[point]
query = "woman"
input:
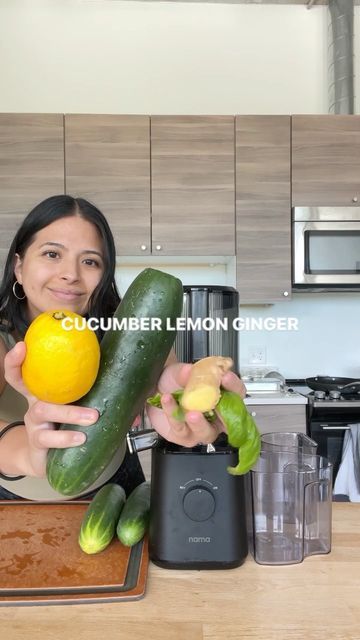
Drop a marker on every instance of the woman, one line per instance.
(63, 256)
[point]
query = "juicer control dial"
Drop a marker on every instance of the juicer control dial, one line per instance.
(199, 504)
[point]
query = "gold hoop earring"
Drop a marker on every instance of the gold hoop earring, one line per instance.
(14, 291)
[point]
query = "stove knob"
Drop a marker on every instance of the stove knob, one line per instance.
(319, 395)
(334, 395)
(199, 504)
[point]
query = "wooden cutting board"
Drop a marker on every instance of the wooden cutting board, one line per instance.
(41, 561)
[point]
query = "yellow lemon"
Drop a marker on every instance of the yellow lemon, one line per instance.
(61, 363)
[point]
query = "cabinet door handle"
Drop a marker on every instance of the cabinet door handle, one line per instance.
(286, 293)
(158, 247)
(355, 199)
(143, 247)
(253, 414)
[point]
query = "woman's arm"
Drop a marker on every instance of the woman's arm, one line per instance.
(23, 450)
(172, 359)
(3, 352)
(13, 452)
(14, 440)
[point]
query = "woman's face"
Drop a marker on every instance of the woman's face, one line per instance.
(62, 266)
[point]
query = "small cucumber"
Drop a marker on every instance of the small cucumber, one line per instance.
(99, 523)
(134, 518)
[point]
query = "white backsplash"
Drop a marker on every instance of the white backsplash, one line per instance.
(215, 270)
(327, 341)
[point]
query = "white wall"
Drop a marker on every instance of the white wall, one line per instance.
(109, 56)
(162, 57)
(192, 270)
(327, 338)
(327, 341)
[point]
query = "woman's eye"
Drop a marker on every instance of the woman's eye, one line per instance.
(91, 262)
(51, 254)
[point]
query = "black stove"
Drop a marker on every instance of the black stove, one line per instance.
(329, 415)
(333, 400)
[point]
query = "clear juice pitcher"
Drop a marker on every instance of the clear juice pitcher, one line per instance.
(290, 511)
(288, 441)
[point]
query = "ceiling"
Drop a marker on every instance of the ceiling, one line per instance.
(307, 3)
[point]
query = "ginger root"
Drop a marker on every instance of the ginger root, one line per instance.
(202, 392)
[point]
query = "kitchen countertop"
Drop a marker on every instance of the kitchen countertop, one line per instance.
(273, 397)
(316, 599)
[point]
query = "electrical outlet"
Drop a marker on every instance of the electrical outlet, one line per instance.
(257, 355)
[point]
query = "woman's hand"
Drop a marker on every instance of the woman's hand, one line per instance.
(196, 428)
(40, 418)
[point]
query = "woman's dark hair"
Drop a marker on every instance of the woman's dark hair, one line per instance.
(104, 299)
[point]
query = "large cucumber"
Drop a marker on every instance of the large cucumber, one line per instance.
(99, 523)
(134, 517)
(130, 366)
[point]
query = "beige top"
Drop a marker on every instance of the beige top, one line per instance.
(13, 406)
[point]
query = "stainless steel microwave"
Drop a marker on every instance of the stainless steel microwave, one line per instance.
(326, 248)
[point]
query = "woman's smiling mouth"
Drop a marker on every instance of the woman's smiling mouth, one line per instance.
(62, 294)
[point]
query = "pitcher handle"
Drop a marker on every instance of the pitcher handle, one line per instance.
(317, 517)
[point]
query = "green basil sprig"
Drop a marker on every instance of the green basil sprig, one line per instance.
(241, 429)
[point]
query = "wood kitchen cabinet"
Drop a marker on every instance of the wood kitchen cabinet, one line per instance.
(263, 213)
(192, 185)
(31, 167)
(179, 201)
(107, 161)
(279, 417)
(325, 160)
